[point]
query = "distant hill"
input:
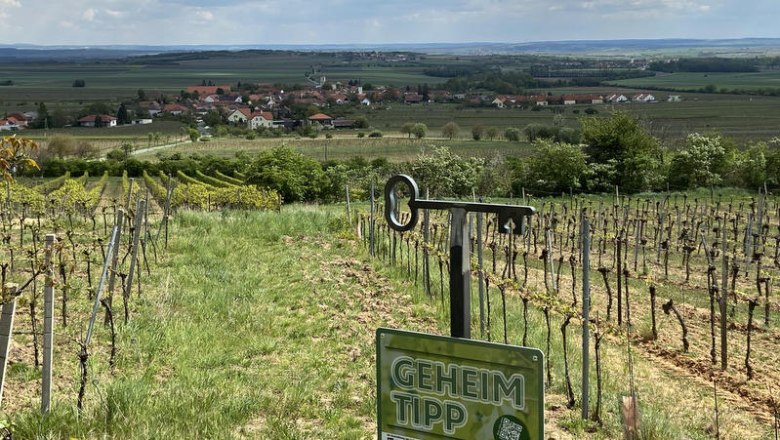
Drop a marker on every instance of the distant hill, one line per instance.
(688, 47)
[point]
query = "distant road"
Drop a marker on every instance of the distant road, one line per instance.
(158, 147)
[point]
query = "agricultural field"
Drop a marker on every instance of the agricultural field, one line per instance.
(687, 81)
(395, 148)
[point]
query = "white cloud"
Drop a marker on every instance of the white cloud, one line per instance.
(205, 15)
(113, 13)
(89, 14)
(10, 3)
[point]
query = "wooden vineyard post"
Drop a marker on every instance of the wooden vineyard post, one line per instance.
(371, 223)
(6, 331)
(724, 294)
(129, 194)
(349, 208)
(48, 323)
(139, 214)
(118, 224)
(480, 276)
(585, 233)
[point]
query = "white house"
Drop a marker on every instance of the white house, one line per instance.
(240, 116)
(643, 97)
(105, 121)
(498, 102)
(365, 102)
(674, 98)
(616, 98)
(261, 119)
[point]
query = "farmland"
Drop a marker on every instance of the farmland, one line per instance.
(687, 81)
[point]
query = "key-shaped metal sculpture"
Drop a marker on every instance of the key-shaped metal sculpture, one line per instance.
(510, 218)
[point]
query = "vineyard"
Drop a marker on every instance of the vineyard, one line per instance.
(76, 254)
(682, 282)
(667, 274)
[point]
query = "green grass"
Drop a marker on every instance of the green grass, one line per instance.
(346, 145)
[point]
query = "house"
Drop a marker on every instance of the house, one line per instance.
(174, 109)
(91, 121)
(343, 123)
(7, 125)
(21, 119)
(643, 97)
(339, 98)
(498, 102)
(240, 115)
(261, 119)
(569, 100)
(365, 102)
(153, 107)
(321, 119)
(589, 99)
(616, 98)
(538, 100)
(203, 91)
(412, 98)
(674, 98)
(143, 121)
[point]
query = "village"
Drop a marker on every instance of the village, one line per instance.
(265, 106)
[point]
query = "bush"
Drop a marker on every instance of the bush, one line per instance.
(375, 134)
(553, 167)
(295, 176)
(512, 134)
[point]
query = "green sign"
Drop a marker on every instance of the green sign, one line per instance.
(435, 387)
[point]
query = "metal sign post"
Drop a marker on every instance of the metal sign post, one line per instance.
(460, 264)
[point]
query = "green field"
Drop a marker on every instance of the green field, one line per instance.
(749, 81)
(395, 149)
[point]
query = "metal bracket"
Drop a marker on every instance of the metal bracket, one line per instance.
(515, 213)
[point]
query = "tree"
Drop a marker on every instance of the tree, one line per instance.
(141, 95)
(122, 116)
(44, 120)
(446, 174)
(15, 155)
(621, 142)
(512, 134)
(361, 122)
(491, 132)
(79, 83)
(408, 129)
(193, 134)
(98, 121)
(450, 130)
(701, 163)
(60, 146)
(85, 150)
(295, 176)
(477, 132)
(553, 167)
(419, 130)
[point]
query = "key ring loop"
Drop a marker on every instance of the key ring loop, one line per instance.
(391, 202)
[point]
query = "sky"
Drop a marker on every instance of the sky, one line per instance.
(174, 22)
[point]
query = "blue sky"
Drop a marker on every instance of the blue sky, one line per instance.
(90, 22)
